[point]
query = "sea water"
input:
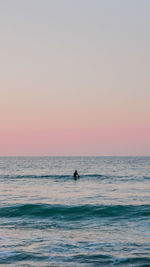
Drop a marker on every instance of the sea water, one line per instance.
(49, 219)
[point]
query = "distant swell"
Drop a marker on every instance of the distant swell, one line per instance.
(67, 177)
(75, 212)
(50, 176)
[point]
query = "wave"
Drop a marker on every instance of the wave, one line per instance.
(96, 259)
(69, 177)
(146, 177)
(66, 212)
(51, 176)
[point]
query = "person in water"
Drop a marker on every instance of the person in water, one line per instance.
(76, 175)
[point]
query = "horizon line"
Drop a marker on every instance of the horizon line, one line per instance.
(19, 156)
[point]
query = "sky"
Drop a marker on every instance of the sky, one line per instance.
(74, 78)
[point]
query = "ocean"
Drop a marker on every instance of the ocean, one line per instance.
(49, 219)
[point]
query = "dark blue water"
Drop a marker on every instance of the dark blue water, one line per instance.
(49, 219)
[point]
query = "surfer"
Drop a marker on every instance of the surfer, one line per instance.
(76, 175)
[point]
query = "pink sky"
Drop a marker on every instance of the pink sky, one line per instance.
(74, 78)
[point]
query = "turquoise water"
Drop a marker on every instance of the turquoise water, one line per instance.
(49, 219)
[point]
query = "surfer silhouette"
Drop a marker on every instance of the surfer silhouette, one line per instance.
(76, 175)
